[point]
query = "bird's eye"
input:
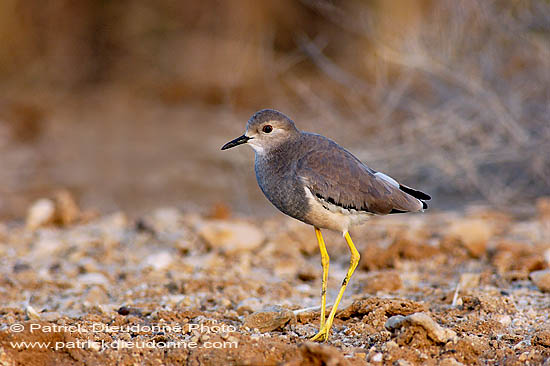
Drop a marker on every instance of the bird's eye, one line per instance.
(267, 128)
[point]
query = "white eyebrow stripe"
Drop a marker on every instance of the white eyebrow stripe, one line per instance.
(387, 178)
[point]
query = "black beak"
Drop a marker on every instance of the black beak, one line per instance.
(239, 140)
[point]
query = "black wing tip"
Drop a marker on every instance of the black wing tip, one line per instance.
(396, 211)
(415, 193)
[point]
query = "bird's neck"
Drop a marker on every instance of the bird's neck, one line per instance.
(276, 159)
(281, 150)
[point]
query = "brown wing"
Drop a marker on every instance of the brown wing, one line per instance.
(335, 175)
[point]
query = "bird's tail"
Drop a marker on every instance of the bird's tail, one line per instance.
(416, 194)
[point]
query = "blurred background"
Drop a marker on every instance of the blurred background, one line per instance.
(127, 103)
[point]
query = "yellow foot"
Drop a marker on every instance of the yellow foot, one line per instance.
(322, 336)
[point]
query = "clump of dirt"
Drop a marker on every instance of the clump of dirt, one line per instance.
(176, 288)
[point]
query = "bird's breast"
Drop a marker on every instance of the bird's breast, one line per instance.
(281, 187)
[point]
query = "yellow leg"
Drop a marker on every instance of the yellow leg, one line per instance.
(325, 260)
(325, 330)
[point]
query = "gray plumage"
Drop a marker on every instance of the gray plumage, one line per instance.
(313, 179)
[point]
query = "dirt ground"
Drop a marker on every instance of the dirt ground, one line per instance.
(170, 288)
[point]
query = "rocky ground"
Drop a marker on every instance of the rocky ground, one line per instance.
(169, 288)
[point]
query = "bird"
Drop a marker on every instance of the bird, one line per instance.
(311, 178)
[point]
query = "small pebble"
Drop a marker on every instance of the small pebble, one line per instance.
(433, 330)
(394, 322)
(377, 357)
(89, 279)
(450, 362)
(250, 304)
(96, 295)
(231, 236)
(402, 363)
(50, 316)
(541, 279)
(505, 320)
(95, 346)
(469, 280)
(269, 319)
(67, 209)
(166, 219)
(20, 267)
(46, 246)
(159, 261)
(473, 234)
(41, 213)
(126, 310)
(31, 313)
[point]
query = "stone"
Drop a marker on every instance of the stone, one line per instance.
(46, 246)
(387, 307)
(394, 322)
(546, 254)
(505, 319)
(469, 280)
(67, 211)
(113, 228)
(286, 269)
(159, 261)
(31, 314)
(50, 316)
(402, 362)
(473, 234)
(88, 265)
(165, 219)
(94, 346)
(89, 279)
(40, 214)
(250, 305)
(377, 357)
(117, 220)
(231, 236)
(220, 211)
(542, 338)
(514, 260)
(433, 330)
(450, 362)
(269, 319)
(541, 279)
(96, 295)
(310, 353)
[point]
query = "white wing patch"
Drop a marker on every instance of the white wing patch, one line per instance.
(387, 178)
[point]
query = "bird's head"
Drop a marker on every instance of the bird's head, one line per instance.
(265, 130)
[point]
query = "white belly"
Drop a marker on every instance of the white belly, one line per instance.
(326, 215)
